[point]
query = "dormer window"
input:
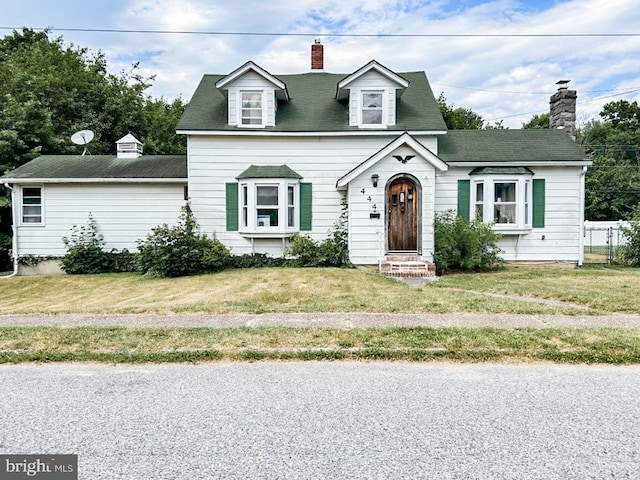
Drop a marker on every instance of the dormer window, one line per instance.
(251, 108)
(252, 96)
(372, 108)
(372, 93)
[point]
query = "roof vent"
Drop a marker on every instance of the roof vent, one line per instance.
(129, 147)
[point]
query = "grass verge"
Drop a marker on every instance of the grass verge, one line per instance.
(160, 345)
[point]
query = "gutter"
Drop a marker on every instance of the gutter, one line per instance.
(14, 246)
(582, 232)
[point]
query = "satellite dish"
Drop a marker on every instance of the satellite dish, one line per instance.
(83, 137)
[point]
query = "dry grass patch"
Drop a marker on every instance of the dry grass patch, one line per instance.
(608, 289)
(273, 290)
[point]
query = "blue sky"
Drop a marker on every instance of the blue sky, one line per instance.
(507, 78)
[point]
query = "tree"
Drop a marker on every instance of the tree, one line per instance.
(49, 90)
(459, 118)
(161, 118)
(538, 121)
(613, 181)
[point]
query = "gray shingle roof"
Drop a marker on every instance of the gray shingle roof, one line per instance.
(313, 106)
(101, 166)
(508, 146)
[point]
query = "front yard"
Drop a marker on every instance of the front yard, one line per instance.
(603, 290)
(606, 290)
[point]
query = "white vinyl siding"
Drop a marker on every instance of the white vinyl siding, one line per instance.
(215, 161)
(558, 240)
(124, 213)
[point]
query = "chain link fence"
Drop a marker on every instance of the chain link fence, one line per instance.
(601, 240)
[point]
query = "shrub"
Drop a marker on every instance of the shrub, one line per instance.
(122, 261)
(306, 252)
(85, 252)
(463, 245)
(5, 251)
(256, 260)
(629, 252)
(331, 252)
(181, 250)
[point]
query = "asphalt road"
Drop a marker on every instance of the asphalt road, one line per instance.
(327, 420)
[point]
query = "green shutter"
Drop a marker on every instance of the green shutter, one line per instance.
(538, 203)
(464, 199)
(305, 207)
(232, 206)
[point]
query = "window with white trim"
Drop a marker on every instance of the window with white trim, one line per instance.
(269, 206)
(32, 206)
(505, 201)
(251, 108)
(479, 201)
(372, 107)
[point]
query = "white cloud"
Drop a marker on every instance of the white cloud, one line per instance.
(505, 64)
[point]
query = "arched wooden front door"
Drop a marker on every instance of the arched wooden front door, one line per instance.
(402, 215)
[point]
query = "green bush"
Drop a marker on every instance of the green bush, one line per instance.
(306, 252)
(180, 250)
(122, 261)
(463, 245)
(629, 252)
(5, 251)
(256, 260)
(331, 252)
(85, 252)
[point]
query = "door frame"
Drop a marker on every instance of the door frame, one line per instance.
(418, 188)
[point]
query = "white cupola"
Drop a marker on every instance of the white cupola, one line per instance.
(129, 147)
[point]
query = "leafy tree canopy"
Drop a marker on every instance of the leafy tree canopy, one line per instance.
(613, 181)
(459, 118)
(48, 90)
(538, 121)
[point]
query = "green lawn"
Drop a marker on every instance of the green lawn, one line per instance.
(140, 345)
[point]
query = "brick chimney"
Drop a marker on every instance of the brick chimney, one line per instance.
(317, 56)
(562, 104)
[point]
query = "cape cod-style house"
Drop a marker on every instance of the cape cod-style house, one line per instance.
(269, 156)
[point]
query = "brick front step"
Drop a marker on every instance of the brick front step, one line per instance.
(409, 266)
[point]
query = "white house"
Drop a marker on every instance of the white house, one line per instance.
(269, 156)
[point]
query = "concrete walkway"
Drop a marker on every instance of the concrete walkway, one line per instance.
(333, 320)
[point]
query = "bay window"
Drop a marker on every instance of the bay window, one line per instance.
(269, 205)
(268, 201)
(502, 196)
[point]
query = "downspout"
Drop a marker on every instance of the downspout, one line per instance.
(14, 244)
(581, 242)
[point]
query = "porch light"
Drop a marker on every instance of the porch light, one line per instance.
(374, 180)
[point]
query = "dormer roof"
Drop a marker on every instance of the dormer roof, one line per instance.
(342, 91)
(281, 87)
(313, 106)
